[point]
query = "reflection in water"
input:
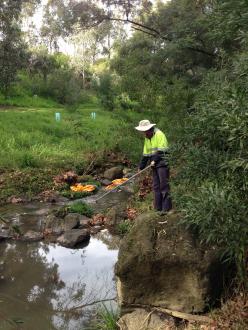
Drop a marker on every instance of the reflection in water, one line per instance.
(38, 281)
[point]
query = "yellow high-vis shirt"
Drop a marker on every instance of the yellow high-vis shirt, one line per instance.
(158, 142)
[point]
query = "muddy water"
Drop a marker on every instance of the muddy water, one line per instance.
(40, 283)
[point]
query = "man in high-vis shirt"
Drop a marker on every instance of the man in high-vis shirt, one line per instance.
(154, 152)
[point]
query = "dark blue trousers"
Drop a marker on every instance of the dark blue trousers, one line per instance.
(161, 188)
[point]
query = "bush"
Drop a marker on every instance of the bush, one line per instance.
(214, 165)
(106, 91)
(106, 319)
(81, 208)
(124, 227)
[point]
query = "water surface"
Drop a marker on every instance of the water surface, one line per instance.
(41, 282)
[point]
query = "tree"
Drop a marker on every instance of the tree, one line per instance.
(12, 48)
(42, 62)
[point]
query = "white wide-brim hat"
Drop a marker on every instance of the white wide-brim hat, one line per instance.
(144, 125)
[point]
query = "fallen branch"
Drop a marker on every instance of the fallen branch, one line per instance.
(180, 315)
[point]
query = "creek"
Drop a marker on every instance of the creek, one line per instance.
(41, 283)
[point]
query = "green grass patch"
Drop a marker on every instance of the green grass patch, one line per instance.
(28, 101)
(81, 208)
(32, 141)
(124, 227)
(33, 138)
(106, 319)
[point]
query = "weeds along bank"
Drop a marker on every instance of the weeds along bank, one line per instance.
(35, 147)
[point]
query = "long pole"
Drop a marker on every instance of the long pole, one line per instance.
(122, 184)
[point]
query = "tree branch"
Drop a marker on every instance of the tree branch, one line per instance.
(146, 32)
(83, 306)
(156, 34)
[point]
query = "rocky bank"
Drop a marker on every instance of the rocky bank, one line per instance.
(162, 264)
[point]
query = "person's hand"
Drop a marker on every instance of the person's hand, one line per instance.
(153, 163)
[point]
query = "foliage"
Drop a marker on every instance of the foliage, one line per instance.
(12, 48)
(106, 319)
(216, 163)
(27, 182)
(106, 91)
(124, 227)
(81, 208)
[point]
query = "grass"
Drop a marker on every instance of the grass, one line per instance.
(124, 227)
(81, 208)
(34, 143)
(27, 101)
(106, 319)
(32, 137)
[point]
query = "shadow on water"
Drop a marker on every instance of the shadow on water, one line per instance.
(40, 283)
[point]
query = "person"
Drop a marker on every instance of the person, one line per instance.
(154, 152)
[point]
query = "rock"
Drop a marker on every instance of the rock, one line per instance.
(129, 188)
(113, 173)
(56, 225)
(51, 196)
(141, 319)
(165, 265)
(53, 225)
(106, 182)
(84, 222)
(95, 230)
(14, 200)
(5, 234)
(116, 214)
(72, 237)
(32, 236)
(71, 221)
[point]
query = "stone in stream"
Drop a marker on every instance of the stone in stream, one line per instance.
(71, 221)
(162, 264)
(84, 222)
(73, 237)
(113, 173)
(105, 182)
(57, 225)
(32, 236)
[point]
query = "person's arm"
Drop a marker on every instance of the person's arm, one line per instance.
(145, 158)
(143, 162)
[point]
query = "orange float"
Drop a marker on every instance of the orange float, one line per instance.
(116, 183)
(82, 188)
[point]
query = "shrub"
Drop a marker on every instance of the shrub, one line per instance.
(214, 165)
(106, 319)
(124, 227)
(81, 208)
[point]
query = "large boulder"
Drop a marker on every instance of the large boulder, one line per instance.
(73, 237)
(141, 319)
(162, 264)
(113, 173)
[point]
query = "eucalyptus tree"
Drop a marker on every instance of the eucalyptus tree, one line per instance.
(12, 47)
